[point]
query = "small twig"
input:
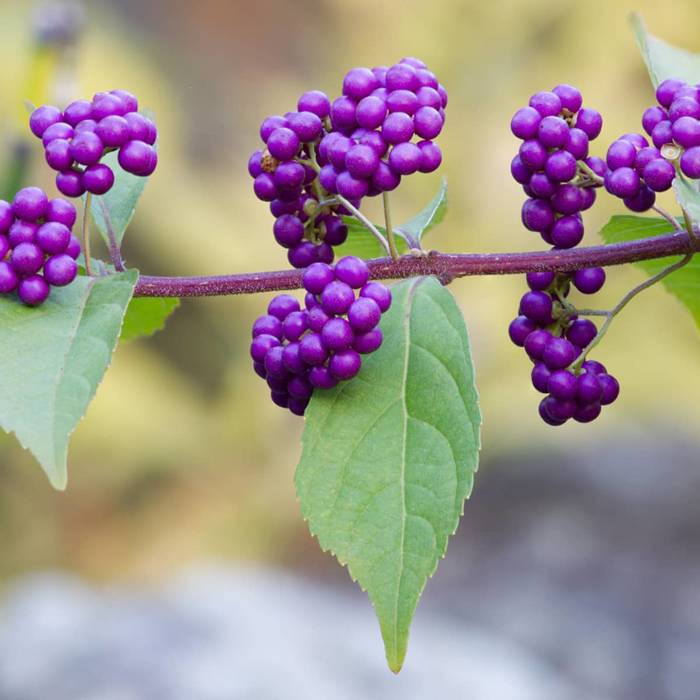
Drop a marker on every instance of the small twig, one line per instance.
(575, 366)
(362, 218)
(591, 174)
(453, 265)
(86, 234)
(671, 219)
(689, 224)
(114, 252)
(389, 230)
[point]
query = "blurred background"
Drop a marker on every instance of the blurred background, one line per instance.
(177, 565)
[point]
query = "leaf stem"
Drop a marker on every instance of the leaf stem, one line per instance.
(671, 219)
(387, 223)
(591, 174)
(114, 251)
(362, 218)
(575, 366)
(86, 234)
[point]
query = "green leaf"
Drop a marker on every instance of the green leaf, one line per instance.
(147, 315)
(363, 244)
(663, 60)
(688, 196)
(389, 457)
(431, 215)
(684, 283)
(53, 358)
(408, 235)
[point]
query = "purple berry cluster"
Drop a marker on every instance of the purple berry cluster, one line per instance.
(556, 130)
(360, 145)
(297, 351)
(76, 139)
(638, 169)
(559, 177)
(573, 391)
(37, 248)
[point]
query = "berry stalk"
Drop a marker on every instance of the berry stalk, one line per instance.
(443, 265)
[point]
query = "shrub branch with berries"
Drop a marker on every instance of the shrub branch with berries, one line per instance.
(382, 375)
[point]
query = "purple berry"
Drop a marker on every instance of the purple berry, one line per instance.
(581, 332)
(553, 132)
(401, 77)
(267, 324)
(589, 121)
(610, 388)
(659, 174)
(385, 179)
(562, 385)
(666, 91)
(560, 166)
(283, 305)
(33, 290)
(537, 215)
(359, 83)
(568, 199)
(60, 130)
(312, 350)
(427, 123)
(587, 413)
(343, 113)
(138, 157)
(379, 293)
(337, 334)
(22, 232)
(306, 125)
(540, 377)
(345, 365)
(42, 118)
(539, 281)
(567, 231)
(364, 314)
(690, 162)
(662, 133)
(537, 306)
(317, 277)
(27, 258)
(404, 101)
(366, 343)
(577, 143)
(525, 122)
(98, 178)
(589, 280)
(533, 154)
(621, 154)
(546, 415)
(520, 328)
(107, 106)
(559, 353)
(30, 204)
(642, 201)
(9, 279)
(58, 155)
(405, 158)
(73, 248)
(361, 161)
(397, 128)
(87, 148)
(321, 378)
(60, 270)
(353, 271)
(370, 112)
(263, 186)
(588, 388)
(351, 187)
(536, 342)
(113, 131)
(623, 182)
(53, 238)
(570, 97)
(295, 324)
(289, 176)
(140, 128)
(337, 297)
(520, 172)
(260, 346)
(302, 255)
(593, 367)
(546, 103)
(291, 358)
(316, 102)
(288, 230)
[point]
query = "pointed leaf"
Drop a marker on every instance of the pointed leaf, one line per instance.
(389, 457)
(664, 60)
(53, 358)
(433, 213)
(146, 316)
(684, 283)
(408, 235)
